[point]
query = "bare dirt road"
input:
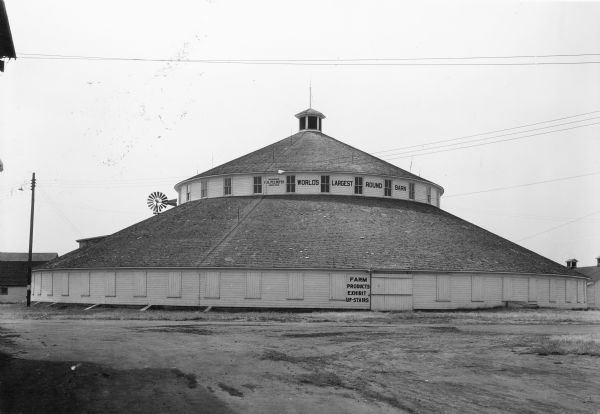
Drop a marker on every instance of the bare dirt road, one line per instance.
(304, 363)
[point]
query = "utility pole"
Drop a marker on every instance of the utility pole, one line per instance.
(30, 241)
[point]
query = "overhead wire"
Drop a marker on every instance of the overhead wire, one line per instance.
(335, 62)
(493, 142)
(492, 137)
(522, 185)
(559, 226)
(487, 133)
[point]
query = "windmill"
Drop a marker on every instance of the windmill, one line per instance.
(158, 201)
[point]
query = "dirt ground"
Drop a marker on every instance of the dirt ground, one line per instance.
(67, 360)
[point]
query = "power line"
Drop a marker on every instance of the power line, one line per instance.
(315, 62)
(369, 59)
(495, 142)
(559, 226)
(486, 133)
(492, 137)
(522, 185)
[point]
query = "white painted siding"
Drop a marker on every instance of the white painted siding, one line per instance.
(47, 283)
(242, 185)
(174, 287)
(315, 289)
(213, 285)
(337, 286)
(253, 283)
(392, 285)
(295, 286)
(420, 193)
(314, 186)
(140, 284)
(515, 289)
(110, 284)
(400, 189)
(85, 284)
(553, 290)
(533, 292)
(373, 186)
(580, 291)
(341, 189)
(477, 289)
(593, 295)
(392, 292)
(443, 288)
(64, 284)
(571, 291)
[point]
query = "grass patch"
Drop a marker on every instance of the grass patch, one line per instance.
(569, 345)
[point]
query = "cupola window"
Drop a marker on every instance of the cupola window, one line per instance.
(310, 120)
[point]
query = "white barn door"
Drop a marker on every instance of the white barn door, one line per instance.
(391, 292)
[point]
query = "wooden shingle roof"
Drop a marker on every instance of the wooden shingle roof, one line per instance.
(308, 232)
(309, 151)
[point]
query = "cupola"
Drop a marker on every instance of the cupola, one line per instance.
(310, 120)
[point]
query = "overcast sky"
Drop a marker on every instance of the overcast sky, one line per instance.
(102, 134)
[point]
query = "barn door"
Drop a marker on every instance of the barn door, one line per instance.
(390, 292)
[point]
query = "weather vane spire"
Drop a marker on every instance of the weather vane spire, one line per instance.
(310, 94)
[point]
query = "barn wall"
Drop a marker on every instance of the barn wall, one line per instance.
(15, 294)
(204, 288)
(309, 289)
(273, 184)
(593, 295)
(464, 291)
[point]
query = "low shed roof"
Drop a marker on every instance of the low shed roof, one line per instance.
(13, 267)
(303, 231)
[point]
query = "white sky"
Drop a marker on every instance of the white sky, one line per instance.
(101, 135)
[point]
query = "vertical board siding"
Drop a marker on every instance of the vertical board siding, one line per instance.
(477, 289)
(314, 289)
(392, 292)
(253, 285)
(140, 284)
(443, 288)
(85, 284)
(553, 290)
(110, 284)
(580, 291)
(48, 286)
(532, 296)
(571, 291)
(64, 284)
(295, 286)
(212, 285)
(174, 286)
(337, 286)
(515, 289)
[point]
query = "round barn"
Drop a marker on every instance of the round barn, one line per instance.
(307, 222)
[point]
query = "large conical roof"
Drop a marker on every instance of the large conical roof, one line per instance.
(309, 151)
(309, 232)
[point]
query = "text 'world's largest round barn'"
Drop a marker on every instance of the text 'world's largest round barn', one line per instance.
(307, 222)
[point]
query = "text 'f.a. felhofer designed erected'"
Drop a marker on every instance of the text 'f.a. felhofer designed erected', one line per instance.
(307, 222)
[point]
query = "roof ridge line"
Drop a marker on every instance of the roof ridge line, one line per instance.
(230, 232)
